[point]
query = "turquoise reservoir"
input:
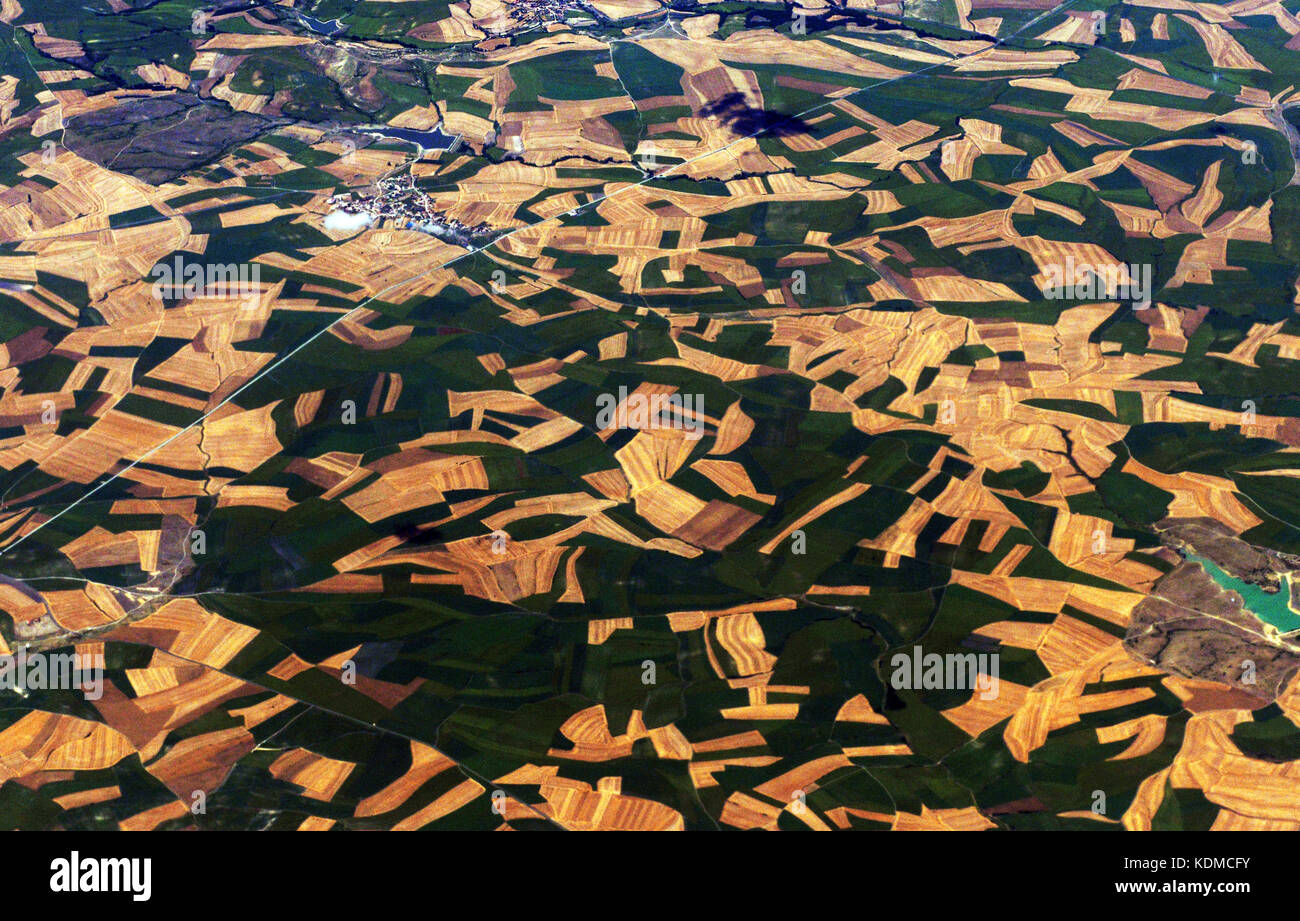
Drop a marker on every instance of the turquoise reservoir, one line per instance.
(1272, 608)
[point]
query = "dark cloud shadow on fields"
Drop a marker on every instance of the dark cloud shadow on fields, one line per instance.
(734, 110)
(415, 536)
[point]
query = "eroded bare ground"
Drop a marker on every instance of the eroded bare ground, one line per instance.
(1213, 540)
(156, 139)
(1191, 626)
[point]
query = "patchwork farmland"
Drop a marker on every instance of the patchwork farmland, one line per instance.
(370, 527)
